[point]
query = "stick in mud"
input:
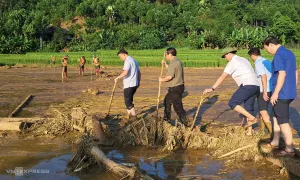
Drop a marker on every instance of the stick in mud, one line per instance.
(198, 108)
(237, 150)
(159, 85)
(111, 98)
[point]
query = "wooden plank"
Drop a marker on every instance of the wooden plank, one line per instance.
(14, 126)
(20, 106)
(32, 120)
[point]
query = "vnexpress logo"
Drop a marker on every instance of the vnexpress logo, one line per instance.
(19, 171)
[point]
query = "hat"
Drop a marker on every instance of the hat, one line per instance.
(65, 56)
(228, 50)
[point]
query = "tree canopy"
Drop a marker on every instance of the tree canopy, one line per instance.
(88, 25)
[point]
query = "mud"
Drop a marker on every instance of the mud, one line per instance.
(48, 91)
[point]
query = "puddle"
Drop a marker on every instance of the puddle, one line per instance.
(164, 165)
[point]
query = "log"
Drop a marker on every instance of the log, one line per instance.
(14, 126)
(98, 129)
(120, 170)
(20, 106)
(29, 120)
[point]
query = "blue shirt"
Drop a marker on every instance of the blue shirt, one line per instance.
(264, 67)
(285, 60)
(132, 78)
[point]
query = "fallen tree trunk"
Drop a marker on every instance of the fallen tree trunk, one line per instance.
(120, 170)
(14, 126)
(20, 106)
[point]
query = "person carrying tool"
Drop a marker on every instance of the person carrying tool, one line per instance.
(131, 81)
(263, 70)
(175, 81)
(242, 72)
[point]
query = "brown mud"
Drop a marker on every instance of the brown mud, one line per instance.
(49, 92)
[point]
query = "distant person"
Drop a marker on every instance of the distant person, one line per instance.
(82, 62)
(53, 60)
(96, 62)
(131, 80)
(285, 78)
(242, 72)
(263, 70)
(175, 82)
(64, 73)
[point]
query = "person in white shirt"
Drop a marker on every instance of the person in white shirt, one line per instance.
(263, 70)
(131, 80)
(242, 72)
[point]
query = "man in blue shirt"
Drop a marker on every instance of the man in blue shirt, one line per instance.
(263, 70)
(131, 80)
(285, 77)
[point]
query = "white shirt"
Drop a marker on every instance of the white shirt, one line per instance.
(132, 78)
(241, 71)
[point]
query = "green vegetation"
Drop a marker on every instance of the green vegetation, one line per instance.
(190, 58)
(90, 25)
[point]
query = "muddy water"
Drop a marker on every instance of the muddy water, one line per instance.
(163, 165)
(42, 158)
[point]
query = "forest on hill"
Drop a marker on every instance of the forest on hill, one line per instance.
(88, 25)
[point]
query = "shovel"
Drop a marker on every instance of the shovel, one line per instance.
(159, 85)
(111, 98)
(198, 108)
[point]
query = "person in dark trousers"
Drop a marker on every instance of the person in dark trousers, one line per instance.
(263, 70)
(82, 62)
(64, 63)
(131, 80)
(175, 81)
(242, 72)
(285, 78)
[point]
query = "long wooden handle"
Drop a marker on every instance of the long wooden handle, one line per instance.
(111, 97)
(198, 108)
(159, 85)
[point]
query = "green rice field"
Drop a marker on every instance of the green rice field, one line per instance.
(190, 58)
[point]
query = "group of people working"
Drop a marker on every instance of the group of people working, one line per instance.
(82, 62)
(270, 82)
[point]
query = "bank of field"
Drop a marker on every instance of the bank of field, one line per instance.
(190, 58)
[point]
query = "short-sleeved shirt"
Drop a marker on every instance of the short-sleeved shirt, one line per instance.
(264, 67)
(175, 70)
(132, 78)
(285, 60)
(241, 71)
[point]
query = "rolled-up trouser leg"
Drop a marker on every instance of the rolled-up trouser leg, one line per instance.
(244, 94)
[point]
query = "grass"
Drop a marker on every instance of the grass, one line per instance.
(190, 58)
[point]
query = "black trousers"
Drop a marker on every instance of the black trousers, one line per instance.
(128, 96)
(174, 97)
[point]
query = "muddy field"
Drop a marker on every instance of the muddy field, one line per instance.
(49, 92)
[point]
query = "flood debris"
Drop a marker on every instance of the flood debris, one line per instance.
(96, 132)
